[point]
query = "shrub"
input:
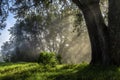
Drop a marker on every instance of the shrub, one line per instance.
(59, 58)
(47, 58)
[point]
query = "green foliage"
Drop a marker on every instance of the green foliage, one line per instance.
(47, 58)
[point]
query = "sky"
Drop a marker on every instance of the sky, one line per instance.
(5, 33)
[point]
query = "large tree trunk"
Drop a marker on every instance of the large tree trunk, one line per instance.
(114, 28)
(97, 30)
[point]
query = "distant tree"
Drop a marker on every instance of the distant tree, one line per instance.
(37, 35)
(5, 50)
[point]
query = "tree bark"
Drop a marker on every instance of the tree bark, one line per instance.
(97, 30)
(114, 30)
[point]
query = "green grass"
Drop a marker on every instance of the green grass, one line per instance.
(34, 71)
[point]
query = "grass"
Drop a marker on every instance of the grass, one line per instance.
(34, 71)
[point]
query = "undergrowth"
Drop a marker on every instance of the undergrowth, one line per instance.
(34, 71)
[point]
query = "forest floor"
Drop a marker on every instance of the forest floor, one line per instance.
(34, 71)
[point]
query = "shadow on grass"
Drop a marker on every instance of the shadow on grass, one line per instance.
(5, 64)
(2, 64)
(90, 73)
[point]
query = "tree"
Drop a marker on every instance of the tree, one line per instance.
(97, 30)
(36, 33)
(104, 39)
(95, 23)
(114, 30)
(6, 51)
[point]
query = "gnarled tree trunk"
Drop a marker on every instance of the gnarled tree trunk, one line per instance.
(114, 29)
(97, 30)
